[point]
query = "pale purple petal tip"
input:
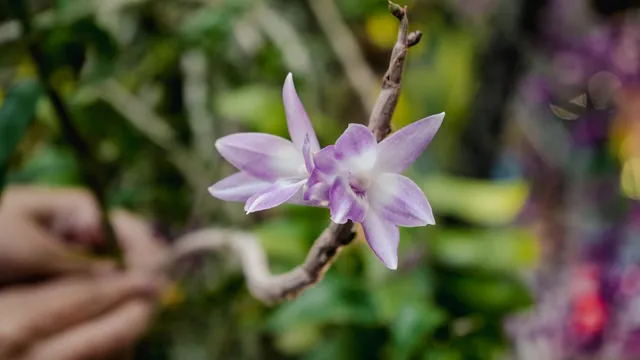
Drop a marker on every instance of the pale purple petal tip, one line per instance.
(399, 200)
(383, 237)
(397, 152)
(276, 194)
(237, 187)
(263, 156)
(356, 147)
(297, 118)
(344, 203)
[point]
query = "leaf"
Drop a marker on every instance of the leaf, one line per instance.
(49, 166)
(481, 202)
(257, 107)
(283, 240)
(393, 295)
(504, 249)
(214, 21)
(16, 114)
(298, 339)
(335, 300)
(415, 321)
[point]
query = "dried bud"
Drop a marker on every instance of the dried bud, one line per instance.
(396, 10)
(414, 38)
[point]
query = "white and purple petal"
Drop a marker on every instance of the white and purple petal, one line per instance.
(325, 160)
(344, 204)
(400, 201)
(318, 193)
(264, 156)
(356, 148)
(397, 152)
(237, 187)
(297, 118)
(383, 237)
(278, 193)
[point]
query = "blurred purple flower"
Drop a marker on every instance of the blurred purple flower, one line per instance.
(272, 169)
(361, 181)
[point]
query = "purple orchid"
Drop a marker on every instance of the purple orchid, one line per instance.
(362, 182)
(273, 170)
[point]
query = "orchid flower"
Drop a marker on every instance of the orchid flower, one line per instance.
(273, 170)
(362, 181)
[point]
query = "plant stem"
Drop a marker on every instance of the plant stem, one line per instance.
(90, 169)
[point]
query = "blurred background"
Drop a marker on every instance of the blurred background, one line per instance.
(534, 176)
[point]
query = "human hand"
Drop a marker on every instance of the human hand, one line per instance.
(86, 309)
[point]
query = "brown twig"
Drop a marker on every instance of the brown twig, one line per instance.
(273, 288)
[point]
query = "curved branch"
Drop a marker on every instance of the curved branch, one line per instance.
(271, 288)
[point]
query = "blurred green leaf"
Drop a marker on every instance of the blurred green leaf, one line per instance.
(350, 343)
(299, 339)
(415, 321)
(257, 107)
(442, 354)
(49, 166)
(357, 9)
(62, 5)
(503, 249)
(66, 48)
(16, 114)
(283, 239)
(480, 202)
(334, 348)
(214, 21)
(391, 296)
(487, 292)
(335, 300)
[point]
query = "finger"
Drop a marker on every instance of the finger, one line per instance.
(104, 337)
(28, 251)
(36, 312)
(142, 248)
(70, 212)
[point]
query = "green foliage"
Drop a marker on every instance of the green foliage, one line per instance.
(16, 114)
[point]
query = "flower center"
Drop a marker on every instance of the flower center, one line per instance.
(359, 183)
(302, 171)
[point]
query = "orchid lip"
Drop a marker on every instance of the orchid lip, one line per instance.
(359, 184)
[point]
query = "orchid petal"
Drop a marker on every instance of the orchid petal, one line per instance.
(400, 201)
(306, 154)
(264, 156)
(297, 119)
(299, 198)
(325, 160)
(237, 187)
(397, 152)
(325, 167)
(383, 238)
(356, 148)
(344, 203)
(276, 194)
(320, 192)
